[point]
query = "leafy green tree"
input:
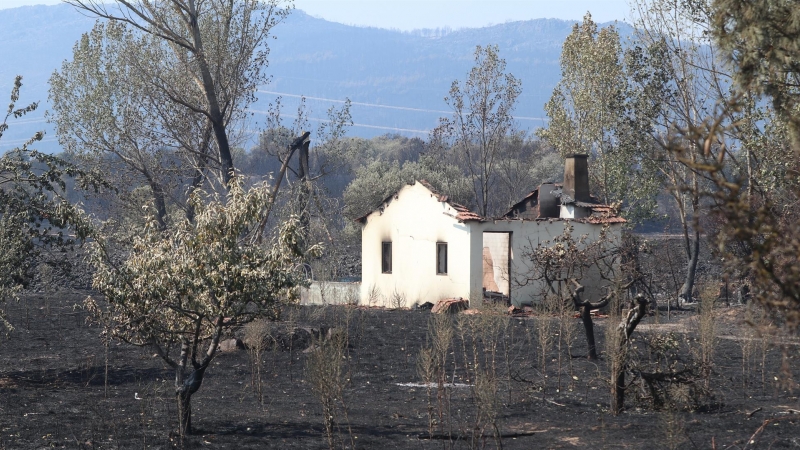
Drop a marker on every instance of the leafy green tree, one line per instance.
(178, 291)
(605, 106)
(482, 122)
(103, 118)
(761, 40)
(34, 211)
(376, 181)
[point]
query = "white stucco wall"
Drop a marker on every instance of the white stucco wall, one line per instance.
(414, 221)
(330, 293)
(528, 234)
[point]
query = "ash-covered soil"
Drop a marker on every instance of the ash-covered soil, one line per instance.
(61, 387)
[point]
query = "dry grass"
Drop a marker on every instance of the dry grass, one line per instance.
(707, 332)
(257, 336)
(326, 376)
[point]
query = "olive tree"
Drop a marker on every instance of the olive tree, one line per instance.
(178, 291)
(160, 79)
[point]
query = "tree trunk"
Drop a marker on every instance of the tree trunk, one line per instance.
(588, 327)
(184, 413)
(691, 268)
(620, 359)
(297, 143)
(185, 388)
(184, 396)
(304, 196)
(585, 308)
(159, 203)
(215, 114)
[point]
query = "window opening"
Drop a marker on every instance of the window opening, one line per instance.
(386, 257)
(441, 258)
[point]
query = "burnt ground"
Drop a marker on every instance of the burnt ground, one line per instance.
(55, 391)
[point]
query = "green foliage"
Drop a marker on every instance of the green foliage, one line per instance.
(761, 38)
(101, 107)
(185, 281)
(376, 181)
(482, 122)
(34, 211)
(155, 98)
(605, 106)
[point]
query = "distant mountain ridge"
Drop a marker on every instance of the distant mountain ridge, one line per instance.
(397, 80)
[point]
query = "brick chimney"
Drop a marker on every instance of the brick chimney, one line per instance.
(576, 177)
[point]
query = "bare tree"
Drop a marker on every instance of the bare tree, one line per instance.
(562, 264)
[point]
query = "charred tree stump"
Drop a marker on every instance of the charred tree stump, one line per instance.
(619, 361)
(585, 308)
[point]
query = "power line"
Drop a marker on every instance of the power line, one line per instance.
(16, 142)
(25, 121)
(378, 105)
(363, 125)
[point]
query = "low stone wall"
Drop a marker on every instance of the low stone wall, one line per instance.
(330, 293)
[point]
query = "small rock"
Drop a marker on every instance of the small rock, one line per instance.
(427, 306)
(230, 345)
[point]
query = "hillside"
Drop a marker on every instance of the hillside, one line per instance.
(397, 80)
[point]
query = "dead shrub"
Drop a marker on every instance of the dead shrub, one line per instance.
(707, 332)
(487, 408)
(257, 338)
(440, 335)
(397, 300)
(326, 376)
(426, 369)
(671, 378)
(373, 296)
(674, 429)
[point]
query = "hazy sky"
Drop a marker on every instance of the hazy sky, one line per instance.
(411, 14)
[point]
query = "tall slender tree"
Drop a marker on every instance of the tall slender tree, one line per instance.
(482, 121)
(604, 106)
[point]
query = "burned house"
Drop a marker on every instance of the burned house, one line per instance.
(418, 246)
